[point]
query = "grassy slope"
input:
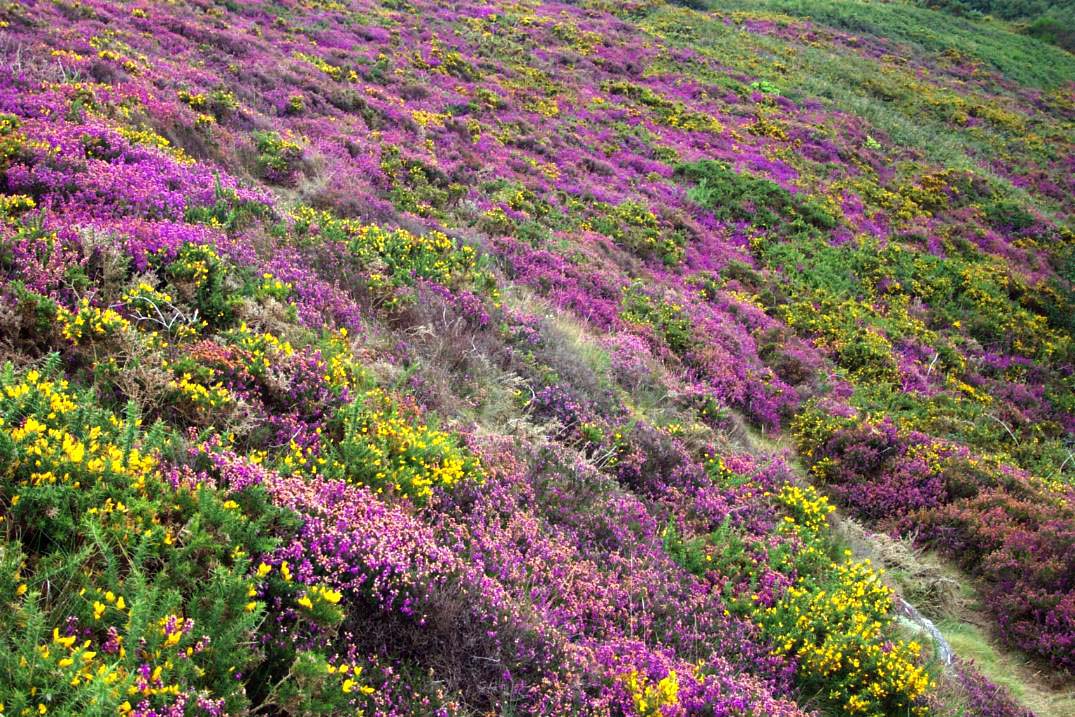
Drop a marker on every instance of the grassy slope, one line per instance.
(462, 372)
(1008, 669)
(849, 81)
(1023, 59)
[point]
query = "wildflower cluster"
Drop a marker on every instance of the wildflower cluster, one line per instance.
(385, 446)
(118, 641)
(396, 259)
(89, 323)
(837, 624)
(652, 700)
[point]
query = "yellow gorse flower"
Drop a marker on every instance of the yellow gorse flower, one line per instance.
(837, 633)
(650, 699)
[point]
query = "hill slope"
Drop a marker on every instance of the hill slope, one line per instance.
(436, 358)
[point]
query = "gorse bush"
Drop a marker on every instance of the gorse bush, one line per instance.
(835, 618)
(668, 320)
(278, 158)
(386, 447)
(637, 229)
(143, 624)
(835, 626)
(396, 260)
(201, 277)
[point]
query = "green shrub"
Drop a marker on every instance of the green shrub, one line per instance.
(668, 320)
(277, 158)
(390, 449)
(634, 227)
(153, 573)
(735, 196)
(203, 279)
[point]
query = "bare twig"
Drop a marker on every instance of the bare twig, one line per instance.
(931, 363)
(990, 415)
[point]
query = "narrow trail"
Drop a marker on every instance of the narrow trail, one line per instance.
(863, 544)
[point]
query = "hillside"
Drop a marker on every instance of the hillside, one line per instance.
(535, 358)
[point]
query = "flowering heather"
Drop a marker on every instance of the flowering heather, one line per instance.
(417, 358)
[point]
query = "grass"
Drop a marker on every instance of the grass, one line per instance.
(1023, 59)
(1008, 670)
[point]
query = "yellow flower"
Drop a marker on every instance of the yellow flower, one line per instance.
(64, 641)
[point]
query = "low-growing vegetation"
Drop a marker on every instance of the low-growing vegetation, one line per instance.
(412, 358)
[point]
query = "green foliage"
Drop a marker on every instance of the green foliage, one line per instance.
(670, 112)
(396, 259)
(634, 227)
(1055, 27)
(203, 278)
(1008, 214)
(668, 320)
(385, 446)
(277, 158)
(1024, 59)
(40, 311)
(734, 196)
(1048, 20)
(416, 186)
(229, 211)
(723, 551)
(316, 686)
(153, 573)
(765, 87)
(222, 102)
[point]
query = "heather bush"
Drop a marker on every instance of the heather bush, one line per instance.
(981, 697)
